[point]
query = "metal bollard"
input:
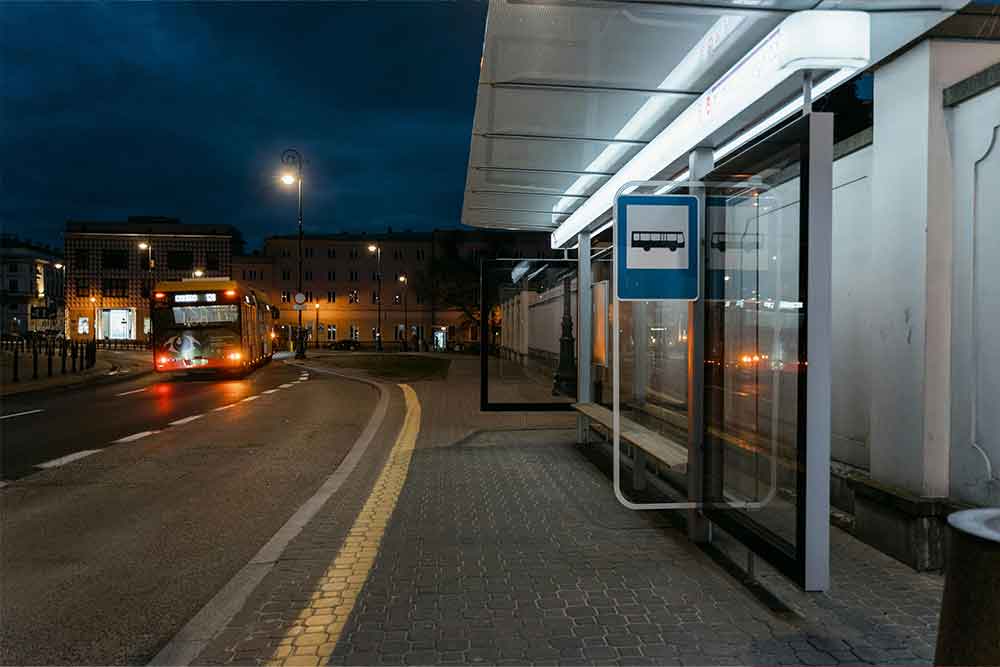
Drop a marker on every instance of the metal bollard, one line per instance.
(17, 366)
(73, 352)
(34, 360)
(62, 352)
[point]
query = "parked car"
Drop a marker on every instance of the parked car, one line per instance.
(346, 344)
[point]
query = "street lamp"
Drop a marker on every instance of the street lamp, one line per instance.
(406, 324)
(377, 249)
(198, 273)
(292, 158)
(317, 326)
(143, 245)
(93, 327)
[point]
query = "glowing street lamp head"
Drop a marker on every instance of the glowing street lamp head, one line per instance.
(198, 273)
(372, 248)
(93, 299)
(58, 265)
(402, 279)
(288, 179)
(143, 246)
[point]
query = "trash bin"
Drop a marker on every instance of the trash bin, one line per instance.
(969, 628)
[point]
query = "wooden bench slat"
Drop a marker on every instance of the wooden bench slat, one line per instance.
(659, 446)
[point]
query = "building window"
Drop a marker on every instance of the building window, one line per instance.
(309, 296)
(285, 252)
(13, 268)
(286, 274)
(374, 275)
(374, 297)
(82, 262)
(286, 296)
(212, 261)
(331, 296)
(420, 298)
(307, 252)
(353, 276)
(331, 332)
(180, 260)
(331, 253)
(397, 253)
(331, 276)
(353, 254)
(114, 259)
(82, 287)
(352, 296)
(244, 274)
(12, 284)
(355, 332)
(420, 253)
(115, 287)
(397, 299)
(309, 275)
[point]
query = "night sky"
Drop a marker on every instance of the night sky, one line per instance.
(183, 110)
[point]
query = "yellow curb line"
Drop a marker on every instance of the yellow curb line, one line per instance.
(319, 627)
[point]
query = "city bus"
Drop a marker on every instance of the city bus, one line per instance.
(210, 324)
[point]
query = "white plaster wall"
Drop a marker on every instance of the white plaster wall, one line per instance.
(545, 319)
(974, 133)
(853, 308)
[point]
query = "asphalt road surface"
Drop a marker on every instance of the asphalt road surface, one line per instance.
(126, 507)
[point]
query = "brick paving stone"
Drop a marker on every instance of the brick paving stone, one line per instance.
(508, 548)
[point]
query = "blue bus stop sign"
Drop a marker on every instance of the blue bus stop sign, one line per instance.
(657, 247)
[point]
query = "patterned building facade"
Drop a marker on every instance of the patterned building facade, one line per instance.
(341, 286)
(111, 268)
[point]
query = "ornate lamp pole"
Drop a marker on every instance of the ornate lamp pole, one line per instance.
(377, 249)
(293, 158)
(565, 378)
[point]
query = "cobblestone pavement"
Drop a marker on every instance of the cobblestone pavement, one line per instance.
(507, 547)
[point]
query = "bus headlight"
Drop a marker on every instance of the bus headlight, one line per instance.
(234, 356)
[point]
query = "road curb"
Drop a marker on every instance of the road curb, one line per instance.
(98, 381)
(192, 639)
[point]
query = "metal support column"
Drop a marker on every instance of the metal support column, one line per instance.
(585, 332)
(700, 163)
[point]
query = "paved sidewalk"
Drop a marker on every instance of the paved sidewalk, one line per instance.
(110, 364)
(496, 541)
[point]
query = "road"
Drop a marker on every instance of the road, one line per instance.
(126, 507)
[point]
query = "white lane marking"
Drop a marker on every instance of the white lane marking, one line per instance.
(286, 385)
(185, 420)
(303, 377)
(69, 458)
(269, 391)
(134, 391)
(134, 437)
(2, 484)
(250, 398)
(224, 407)
(21, 414)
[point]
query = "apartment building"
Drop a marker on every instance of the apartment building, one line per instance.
(31, 287)
(340, 281)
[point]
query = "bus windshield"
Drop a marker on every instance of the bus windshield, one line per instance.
(196, 335)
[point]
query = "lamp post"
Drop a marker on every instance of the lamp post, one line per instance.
(317, 326)
(93, 326)
(377, 249)
(406, 324)
(293, 158)
(149, 278)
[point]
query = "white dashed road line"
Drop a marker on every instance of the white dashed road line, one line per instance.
(269, 391)
(69, 458)
(186, 420)
(224, 407)
(134, 437)
(286, 385)
(134, 391)
(250, 398)
(21, 414)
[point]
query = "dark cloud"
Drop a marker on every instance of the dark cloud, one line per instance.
(184, 109)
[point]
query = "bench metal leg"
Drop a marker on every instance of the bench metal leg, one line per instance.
(582, 430)
(638, 469)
